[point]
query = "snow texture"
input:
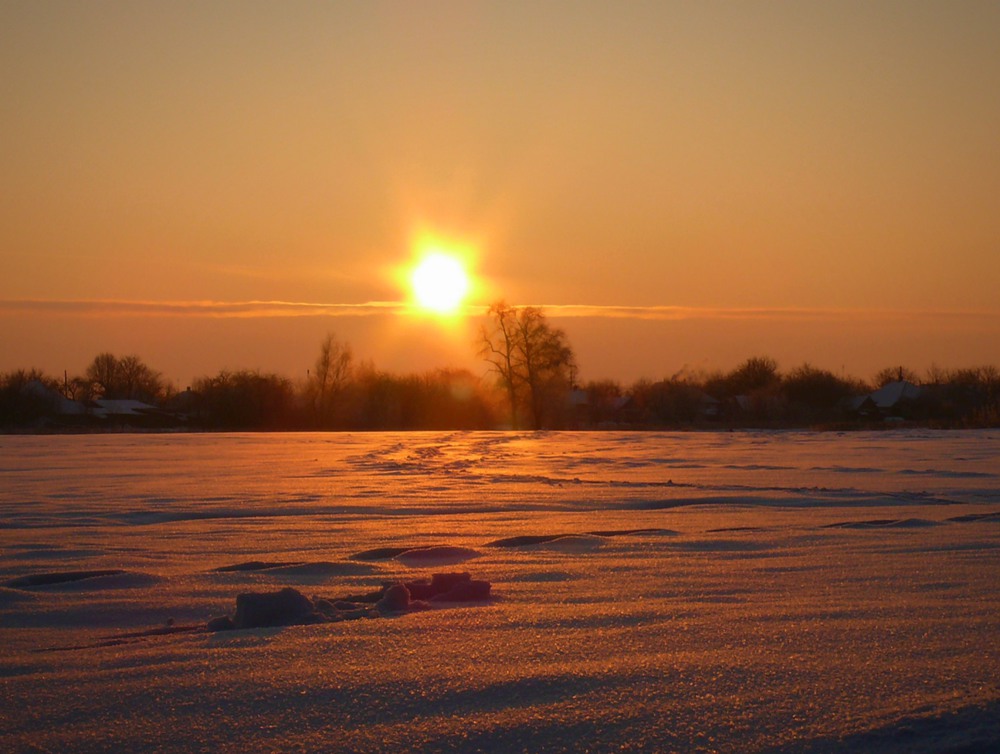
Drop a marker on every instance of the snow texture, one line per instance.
(734, 592)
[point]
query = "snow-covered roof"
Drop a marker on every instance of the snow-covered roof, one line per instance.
(121, 407)
(66, 407)
(60, 403)
(892, 393)
(856, 403)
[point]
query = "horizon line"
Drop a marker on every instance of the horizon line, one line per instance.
(284, 309)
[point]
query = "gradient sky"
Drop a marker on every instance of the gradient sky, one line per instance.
(680, 184)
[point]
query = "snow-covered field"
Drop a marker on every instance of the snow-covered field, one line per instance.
(737, 592)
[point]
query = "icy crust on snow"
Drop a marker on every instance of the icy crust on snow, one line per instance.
(733, 592)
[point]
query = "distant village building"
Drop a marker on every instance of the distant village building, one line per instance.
(57, 403)
(894, 399)
(57, 410)
(891, 395)
(121, 408)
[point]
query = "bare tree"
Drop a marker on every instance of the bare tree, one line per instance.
(78, 388)
(127, 377)
(895, 374)
(102, 373)
(137, 380)
(497, 345)
(332, 373)
(26, 396)
(756, 373)
(533, 360)
(548, 366)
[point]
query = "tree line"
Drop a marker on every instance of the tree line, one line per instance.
(531, 382)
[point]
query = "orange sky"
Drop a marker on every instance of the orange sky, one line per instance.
(702, 181)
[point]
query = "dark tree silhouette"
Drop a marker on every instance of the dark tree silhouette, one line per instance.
(895, 374)
(25, 396)
(816, 393)
(497, 345)
(103, 374)
(331, 376)
(547, 363)
(756, 373)
(533, 361)
(604, 398)
(246, 400)
(127, 377)
(669, 402)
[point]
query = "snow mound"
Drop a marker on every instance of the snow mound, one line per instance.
(388, 553)
(311, 568)
(439, 556)
(885, 523)
(289, 607)
(560, 542)
(57, 578)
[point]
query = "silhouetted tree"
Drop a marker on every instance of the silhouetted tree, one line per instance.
(330, 378)
(754, 374)
(77, 388)
(127, 377)
(498, 346)
(548, 365)
(670, 402)
(443, 399)
(816, 393)
(454, 399)
(534, 362)
(26, 397)
(103, 374)
(750, 391)
(968, 396)
(246, 400)
(603, 401)
(895, 374)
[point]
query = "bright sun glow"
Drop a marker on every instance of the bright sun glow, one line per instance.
(439, 282)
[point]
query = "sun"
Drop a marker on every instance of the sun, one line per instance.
(440, 282)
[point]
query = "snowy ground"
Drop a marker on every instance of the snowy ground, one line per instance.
(735, 592)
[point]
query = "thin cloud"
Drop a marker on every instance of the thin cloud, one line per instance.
(209, 309)
(787, 314)
(279, 309)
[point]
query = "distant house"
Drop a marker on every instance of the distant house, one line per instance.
(121, 408)
(891, 400)
(597, 410)
(131, 413)
(756, 406)
(185, 405)
(56, 402)
(44, 406)
(711, 407)
(893, 394)
(861, 405)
